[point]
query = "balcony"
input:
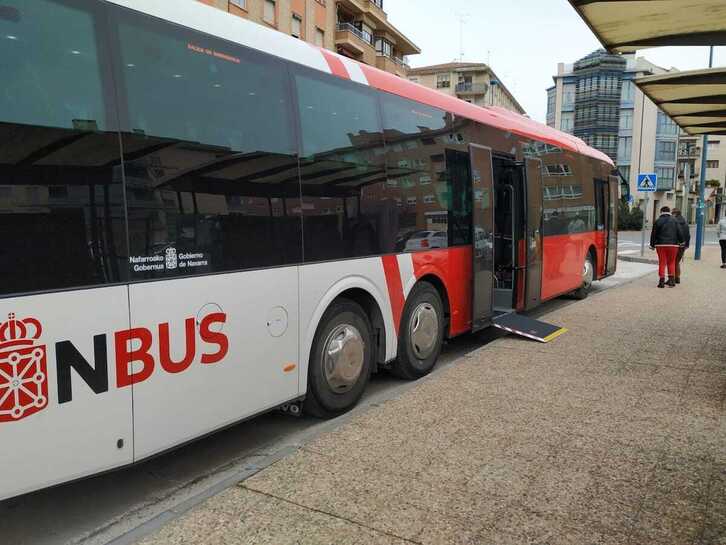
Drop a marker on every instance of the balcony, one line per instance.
(392, 64)
(470, 89)
(355, 41)
(689, 153)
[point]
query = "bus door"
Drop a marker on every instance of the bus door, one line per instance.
(606, 198)
(612, 226)
(533, 235)
(482, 235)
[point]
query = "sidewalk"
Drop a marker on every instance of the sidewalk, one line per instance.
(613, 434)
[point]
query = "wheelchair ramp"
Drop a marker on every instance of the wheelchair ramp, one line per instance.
(528, 327)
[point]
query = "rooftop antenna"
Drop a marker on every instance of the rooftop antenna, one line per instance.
(463, 18)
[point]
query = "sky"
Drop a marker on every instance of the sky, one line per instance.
(522, 40)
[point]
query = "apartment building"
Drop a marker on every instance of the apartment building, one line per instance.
(473, 82)
(359, 29)
(364, 33)
(597, 100)
(689, 160)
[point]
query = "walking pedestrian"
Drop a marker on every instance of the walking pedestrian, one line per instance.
(722, 240)
(665, 239)
(686, 235)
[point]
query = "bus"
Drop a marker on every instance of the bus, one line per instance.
(204, 219)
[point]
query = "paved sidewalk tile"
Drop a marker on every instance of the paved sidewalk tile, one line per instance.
(614, 434)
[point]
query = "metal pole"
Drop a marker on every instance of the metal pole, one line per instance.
(647, 195)
(686, 191)
(701, 212)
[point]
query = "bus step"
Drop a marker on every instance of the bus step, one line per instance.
(528, 327)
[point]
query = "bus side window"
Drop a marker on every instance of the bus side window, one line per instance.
(211, 166)
(61, 201)
(346, 209)
(430, 179)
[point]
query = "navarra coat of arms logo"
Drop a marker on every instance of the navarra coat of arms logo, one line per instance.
(23, 369)
(171, 258)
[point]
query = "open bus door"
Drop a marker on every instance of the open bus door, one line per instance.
(482, 180)
(533, 234)
(612, 226)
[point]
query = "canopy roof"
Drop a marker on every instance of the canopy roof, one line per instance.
(695, 100)
(624, 26)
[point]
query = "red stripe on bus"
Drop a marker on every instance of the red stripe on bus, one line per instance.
(492, 116)
(336, 65)
(395, 288)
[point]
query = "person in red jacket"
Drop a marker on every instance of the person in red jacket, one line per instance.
(666, 238)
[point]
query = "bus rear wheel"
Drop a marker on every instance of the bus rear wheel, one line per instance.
(588, 277)
(340, 360)
(421, 333)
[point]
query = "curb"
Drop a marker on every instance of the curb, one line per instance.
(634, 259)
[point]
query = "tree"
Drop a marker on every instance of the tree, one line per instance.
(629, 219)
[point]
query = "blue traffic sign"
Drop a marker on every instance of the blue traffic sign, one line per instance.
(647, 183)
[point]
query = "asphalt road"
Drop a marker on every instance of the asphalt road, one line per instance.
(629, 241)
(121, 506)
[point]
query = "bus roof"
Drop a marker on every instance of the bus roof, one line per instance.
(201, 17)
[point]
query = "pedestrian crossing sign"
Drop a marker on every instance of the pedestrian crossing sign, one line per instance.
(647, 183)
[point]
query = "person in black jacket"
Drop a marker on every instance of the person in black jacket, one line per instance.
(666, 238)
(686, 235)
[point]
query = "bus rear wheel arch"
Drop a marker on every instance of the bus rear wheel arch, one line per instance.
(421, 332)
(341, 360)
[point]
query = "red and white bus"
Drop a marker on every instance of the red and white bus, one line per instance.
(204, 219)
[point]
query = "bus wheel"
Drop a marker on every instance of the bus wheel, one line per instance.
(340, 361)
(588, 276)
(422, 333)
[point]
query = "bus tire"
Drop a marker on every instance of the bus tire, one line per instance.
(588, 276)
(421, 333)
(340, 360)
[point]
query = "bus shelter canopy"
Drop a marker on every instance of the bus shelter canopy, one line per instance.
(695, 100)
(625, 26)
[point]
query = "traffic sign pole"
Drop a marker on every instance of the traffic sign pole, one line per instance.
(645, 225)
(647, 183)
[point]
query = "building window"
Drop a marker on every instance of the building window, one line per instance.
(625, 149)
(712, 164)
(625, 172)
(665, 150)
(443, 81)
(239, 3)
(628, 92)
(666, 178)
(666, 126)
(626, 120)
(269, 13)
(414, 80)
(319, 37)
(366, 32)
(296, 27)
(568, 97)
(567, 122)
(384, 47)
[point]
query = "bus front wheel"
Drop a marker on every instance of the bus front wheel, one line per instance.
(588, 277)
(340, 360)
(421, 333)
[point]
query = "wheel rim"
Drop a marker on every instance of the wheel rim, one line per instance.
(424, 330)
(588, 274)
(343, 358)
